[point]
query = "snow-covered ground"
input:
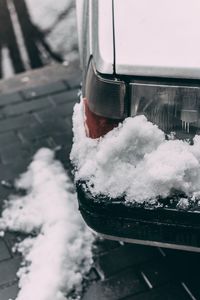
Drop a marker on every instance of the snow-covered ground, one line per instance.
(60, 18)
(134, 160)
(57, 252)
(56, 26)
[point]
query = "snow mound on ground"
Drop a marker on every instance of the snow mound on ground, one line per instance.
(134, 160)
(58, 252)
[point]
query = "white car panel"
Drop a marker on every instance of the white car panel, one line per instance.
(157, 38)
(102, 35)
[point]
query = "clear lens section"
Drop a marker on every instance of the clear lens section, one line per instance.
(175, 109)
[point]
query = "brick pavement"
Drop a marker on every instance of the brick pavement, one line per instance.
(41, 116)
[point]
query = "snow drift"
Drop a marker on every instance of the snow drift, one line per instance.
(135, 160)
(58, 250)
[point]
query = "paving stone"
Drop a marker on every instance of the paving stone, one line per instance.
(66, 97)
(60, 111)
(102, 246)
(4, 193)
(192, 283)
(9, 154)
(167, 292)
(1, 115)
(11, 238)
(68, 120)
(63, 139)
(43, 90)
(63, 156)
(4, 252)
(7, 99)
(93, 275)
(66, 109)
(48, 114)
(74, 81)
(8, 138)
(157, 272)
(9, 292)
(12, 170)
(26, 107)
(8, 270)
(117, 287)
(184, 263)
(46, 129)
(17, 122)
(40, 143)
(123, 257)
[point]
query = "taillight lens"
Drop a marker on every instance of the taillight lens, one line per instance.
(104, 102)
(173, 108)
(97, 126)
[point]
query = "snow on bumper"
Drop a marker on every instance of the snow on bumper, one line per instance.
(135, 161)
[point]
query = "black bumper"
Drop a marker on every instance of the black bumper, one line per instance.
(154, 226)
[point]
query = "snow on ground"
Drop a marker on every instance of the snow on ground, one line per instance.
(134, 160)
(57, 251)
(48, 14)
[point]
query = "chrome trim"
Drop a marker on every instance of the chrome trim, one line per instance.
(147, 243)
(102, 35)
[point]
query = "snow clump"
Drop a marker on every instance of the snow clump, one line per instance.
(58, 250)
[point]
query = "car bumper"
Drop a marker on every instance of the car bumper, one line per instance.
(114, 219)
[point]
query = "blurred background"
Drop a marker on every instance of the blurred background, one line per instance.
(35, 33)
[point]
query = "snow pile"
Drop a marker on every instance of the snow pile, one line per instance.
(57, 252)
(134, 160)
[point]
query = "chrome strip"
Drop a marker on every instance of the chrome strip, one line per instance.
(147, 243)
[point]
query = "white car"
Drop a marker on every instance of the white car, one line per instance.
(140, 57)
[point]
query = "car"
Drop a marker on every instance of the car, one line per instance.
(140, 58)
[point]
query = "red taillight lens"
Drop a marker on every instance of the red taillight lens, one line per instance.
(96, 126)
(104, 102)
(172, 108)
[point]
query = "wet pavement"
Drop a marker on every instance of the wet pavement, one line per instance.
(37, 113)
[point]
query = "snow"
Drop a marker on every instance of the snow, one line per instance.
(183, 203)
(57, 251)
(46, 12)
(50, 14)
(135, 160)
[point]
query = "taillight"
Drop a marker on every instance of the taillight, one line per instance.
(173, 108)
(104, 102)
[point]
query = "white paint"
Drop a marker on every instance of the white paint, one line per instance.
(158, 37)
(102, 35)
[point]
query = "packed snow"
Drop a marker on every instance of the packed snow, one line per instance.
(57, 252)
(135, 161)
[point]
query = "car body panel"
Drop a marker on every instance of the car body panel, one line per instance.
(83, 27)
(95, 34)
(102, 35)
(157, 38)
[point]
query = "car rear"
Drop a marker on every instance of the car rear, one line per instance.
(143, 59)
